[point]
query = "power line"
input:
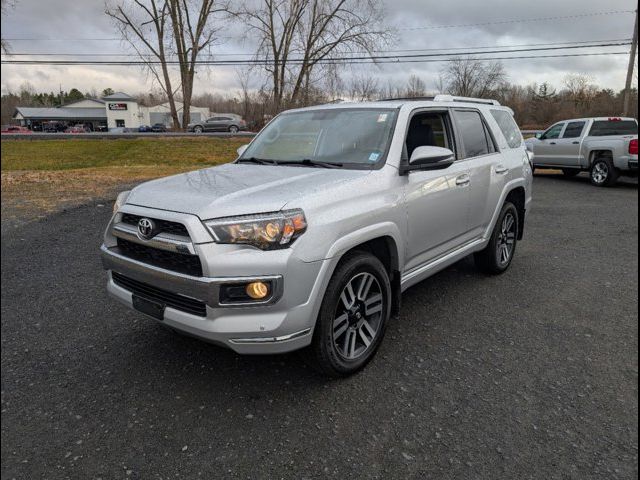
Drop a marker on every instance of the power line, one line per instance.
(368, 58)
(327, 62)
(426, 27)
(523, 20)
(585, 43)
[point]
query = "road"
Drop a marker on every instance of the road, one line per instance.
(533, 374)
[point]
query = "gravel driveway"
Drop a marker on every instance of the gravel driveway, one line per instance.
(533, 374)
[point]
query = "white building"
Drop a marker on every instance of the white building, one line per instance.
(118, 110)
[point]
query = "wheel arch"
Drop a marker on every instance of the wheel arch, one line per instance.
(597, 153)
(517, 196)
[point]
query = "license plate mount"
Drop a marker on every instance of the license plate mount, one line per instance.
(151, 308)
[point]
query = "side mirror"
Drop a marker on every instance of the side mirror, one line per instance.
(538, 135)
(429, 158)
(241, 149)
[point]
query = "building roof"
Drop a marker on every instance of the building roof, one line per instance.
(86, 99)
(119, 96)
(61, 113)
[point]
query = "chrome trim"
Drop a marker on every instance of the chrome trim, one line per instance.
(205, 289)
(261, 340)
(160, 241)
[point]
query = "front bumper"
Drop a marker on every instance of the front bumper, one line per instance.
(284, 325)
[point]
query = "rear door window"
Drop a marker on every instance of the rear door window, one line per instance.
(508, 127)
(602, 128)
(573, 130)
(475, 138)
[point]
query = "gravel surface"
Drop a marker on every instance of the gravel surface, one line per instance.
(533, 374)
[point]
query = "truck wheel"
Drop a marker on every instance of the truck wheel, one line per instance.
(603, 172)
(498, 254)
(353, 316)
(570, 172)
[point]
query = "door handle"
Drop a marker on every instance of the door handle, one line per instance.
(463, 180)
(501, 169)
(552, 143)
(576, 143)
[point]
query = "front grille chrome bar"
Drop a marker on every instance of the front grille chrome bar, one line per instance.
(161, 241)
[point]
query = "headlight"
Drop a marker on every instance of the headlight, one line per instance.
(268, 231)
(121, 199)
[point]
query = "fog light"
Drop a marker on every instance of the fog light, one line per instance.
(257, 290)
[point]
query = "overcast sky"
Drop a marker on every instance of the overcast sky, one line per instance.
(72, 26)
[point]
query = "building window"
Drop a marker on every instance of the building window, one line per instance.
(120, 123)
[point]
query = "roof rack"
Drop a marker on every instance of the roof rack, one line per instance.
(396, 99)
(451, 98)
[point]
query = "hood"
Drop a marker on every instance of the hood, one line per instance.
(238, 189)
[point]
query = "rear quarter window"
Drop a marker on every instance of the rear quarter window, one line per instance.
(508, 127)
(602, 128)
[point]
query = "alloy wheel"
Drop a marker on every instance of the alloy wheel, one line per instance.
(506, 239)
(600, 172)
(358, 316)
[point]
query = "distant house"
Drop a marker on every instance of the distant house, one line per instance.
(118, 110)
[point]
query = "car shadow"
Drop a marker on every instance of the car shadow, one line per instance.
(583, 178)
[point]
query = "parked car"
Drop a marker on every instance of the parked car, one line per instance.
(79, 128)
(220, 123)
(15, 129)
(145, 128)
(607, 147)
(308, 239)
(159, 127)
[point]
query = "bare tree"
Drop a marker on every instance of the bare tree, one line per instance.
(415, 87)
(157, 30)
(5, 7)
(471, 77)
(579, 88)
(364, 88)
(297, 36)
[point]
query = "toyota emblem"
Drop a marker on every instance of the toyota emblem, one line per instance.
(146, 228)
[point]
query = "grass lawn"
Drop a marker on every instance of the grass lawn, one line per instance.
(40, 176)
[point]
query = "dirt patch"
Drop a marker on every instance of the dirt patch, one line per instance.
(29, 195)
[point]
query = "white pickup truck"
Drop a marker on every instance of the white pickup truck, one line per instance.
(607, 147)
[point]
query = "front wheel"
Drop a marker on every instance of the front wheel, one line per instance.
(353, 316)
(233, 129)
(603, 172)
(498, 254)
(198, 129)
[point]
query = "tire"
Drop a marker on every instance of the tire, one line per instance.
(498, 254)
(344, 341)
(198, 129)
(233, 129)
(603, 172)
(570, 172)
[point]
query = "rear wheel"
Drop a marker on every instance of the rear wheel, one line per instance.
(603, 172)
(353, 316)
(498, 254)
(198, 129)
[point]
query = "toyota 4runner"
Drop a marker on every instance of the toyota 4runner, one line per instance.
(308, 239)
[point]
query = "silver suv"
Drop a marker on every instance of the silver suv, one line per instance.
(308, 239)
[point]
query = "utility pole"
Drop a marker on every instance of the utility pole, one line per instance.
(632, 58)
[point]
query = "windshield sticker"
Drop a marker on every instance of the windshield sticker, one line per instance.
(382, 117)
(374, 157)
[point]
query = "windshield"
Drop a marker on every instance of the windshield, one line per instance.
(353, 137)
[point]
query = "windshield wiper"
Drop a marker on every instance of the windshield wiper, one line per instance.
(259, 161)
(307, 162)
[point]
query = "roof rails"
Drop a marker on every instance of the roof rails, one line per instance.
(446, 98)
(451, 98)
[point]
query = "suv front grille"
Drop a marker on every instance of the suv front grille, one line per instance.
(164, 226)
(173, 300)
(177, 262)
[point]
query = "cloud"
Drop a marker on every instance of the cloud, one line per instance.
(82, 27)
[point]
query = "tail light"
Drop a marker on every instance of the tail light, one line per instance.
(633, 147)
